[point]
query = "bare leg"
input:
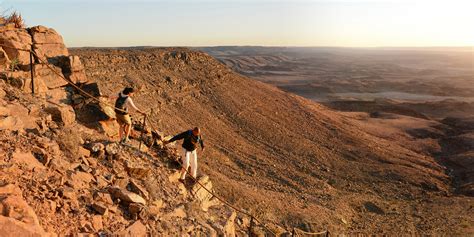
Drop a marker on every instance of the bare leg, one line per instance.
(121, 131)
(127, 130)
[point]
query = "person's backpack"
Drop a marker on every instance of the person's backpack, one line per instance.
(190, 135)
(120, 104)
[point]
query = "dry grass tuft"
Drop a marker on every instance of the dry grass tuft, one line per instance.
(69, 142)
(15, 18)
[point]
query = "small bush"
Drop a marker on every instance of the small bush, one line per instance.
(69, 142)
(15, 18)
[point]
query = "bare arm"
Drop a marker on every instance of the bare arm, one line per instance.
(130, 102)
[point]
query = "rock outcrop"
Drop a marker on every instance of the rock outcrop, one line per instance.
(47, 43)
(4, 60)
(17, 218)
(52, 65)
(17, 44)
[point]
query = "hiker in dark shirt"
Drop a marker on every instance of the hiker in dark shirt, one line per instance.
(190, 143)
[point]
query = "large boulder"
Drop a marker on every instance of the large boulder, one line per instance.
(27, 160)
(126, 196)
(72, 68)
(51, 79)
(136, 170)
(201, 194)
(12, 227)
(137, 229)
(14, 116)
(47, 43)
(63, 114)
(17, 218)
(17, 39)
(58, 96)
(22, 81)
(45, 35)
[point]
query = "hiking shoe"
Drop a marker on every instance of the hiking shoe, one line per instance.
(125, 141)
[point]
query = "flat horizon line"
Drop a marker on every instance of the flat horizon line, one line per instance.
(266, 46)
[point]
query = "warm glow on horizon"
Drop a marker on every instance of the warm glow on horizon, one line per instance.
(354, 23)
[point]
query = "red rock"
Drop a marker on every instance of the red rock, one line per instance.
(137, 229)
(97, 222)
(83, 152)
(178, 212)
(24, 83)
(51, 79)
(78, 77)
(100, 208)
(136, 170)
(19, 39)
(4, 60)
(53, 206)
(45, 35)
(135, 208)
(126, 196)
(80, 180)
(18, 217)
(27, 160)
(86, 226)
(10, 189)
(13, 227)
(137, 188)
(85, 235)
(103, 197)
(62, 114)
(155, 208)
(69, 193)
(47, 43)
(101, 182)
(199, 192)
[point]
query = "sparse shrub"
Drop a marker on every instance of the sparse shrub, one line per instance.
(69, 142)
(15, 18)
(13, 65)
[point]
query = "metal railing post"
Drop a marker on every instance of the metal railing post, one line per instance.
(251, 226)
(141, 133)
(32, 68)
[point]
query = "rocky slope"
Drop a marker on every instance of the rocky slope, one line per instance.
(283, 158)
(59, 177)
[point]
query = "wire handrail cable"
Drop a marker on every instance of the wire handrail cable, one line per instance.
(149, 121)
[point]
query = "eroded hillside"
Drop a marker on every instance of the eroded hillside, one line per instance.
(283, 157)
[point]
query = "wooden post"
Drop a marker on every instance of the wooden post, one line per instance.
(151, 129)
(141, 134)
(32, 72)
(251, 226)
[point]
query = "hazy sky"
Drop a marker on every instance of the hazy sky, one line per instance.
(253, 22)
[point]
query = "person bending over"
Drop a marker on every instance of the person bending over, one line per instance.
(191, 138)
